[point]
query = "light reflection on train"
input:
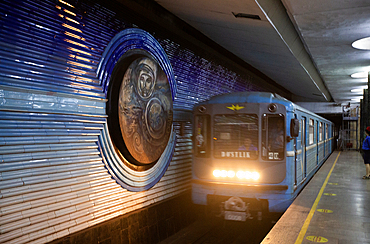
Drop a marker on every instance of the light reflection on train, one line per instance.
(254, 152)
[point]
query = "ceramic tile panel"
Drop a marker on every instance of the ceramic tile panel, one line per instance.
(53, 112)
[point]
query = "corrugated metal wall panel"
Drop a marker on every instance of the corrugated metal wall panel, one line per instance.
(53, 181)
(196, 79)
(52, 114)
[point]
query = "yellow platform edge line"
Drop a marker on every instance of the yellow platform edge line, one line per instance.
(303, 231)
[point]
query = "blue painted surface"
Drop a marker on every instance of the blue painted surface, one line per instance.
(279, 199)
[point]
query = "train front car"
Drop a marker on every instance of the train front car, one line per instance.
(240, 155)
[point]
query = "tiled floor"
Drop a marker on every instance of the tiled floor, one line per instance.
(333, 208)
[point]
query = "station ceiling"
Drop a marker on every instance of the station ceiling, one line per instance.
(303, 45)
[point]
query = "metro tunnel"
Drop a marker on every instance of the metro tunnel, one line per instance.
(121, 122)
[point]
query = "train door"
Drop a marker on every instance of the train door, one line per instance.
(326, 140)
(325, 137)
(296, 155)
(317, 143)
(303, 146)
(322, 141)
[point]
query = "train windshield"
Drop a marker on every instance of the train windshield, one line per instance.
(202, 135)
(236, 136)
(273, 139)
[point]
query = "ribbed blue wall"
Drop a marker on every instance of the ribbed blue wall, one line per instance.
(53, 179)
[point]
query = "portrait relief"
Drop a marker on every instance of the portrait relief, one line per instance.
(145, 110)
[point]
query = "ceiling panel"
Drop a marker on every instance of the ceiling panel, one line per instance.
(316, 49)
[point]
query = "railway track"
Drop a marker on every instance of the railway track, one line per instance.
(218, 231)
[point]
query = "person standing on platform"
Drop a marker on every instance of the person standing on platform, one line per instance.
(366, 153)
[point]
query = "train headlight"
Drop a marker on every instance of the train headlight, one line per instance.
(230, 174)
(216, 173)
(255, 176)
(242, 175)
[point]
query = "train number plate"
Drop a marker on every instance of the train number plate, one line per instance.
(236, 216)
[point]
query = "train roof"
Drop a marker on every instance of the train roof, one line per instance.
(247, 97)
(257, 97)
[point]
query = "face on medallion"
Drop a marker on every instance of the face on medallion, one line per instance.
(145, 110)
(147, 77)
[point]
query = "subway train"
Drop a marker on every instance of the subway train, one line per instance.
(253, 152)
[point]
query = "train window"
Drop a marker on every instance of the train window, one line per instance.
(326, 131)
(201, 143)
(320, 131)
(311, 132)
(303, 132)
(273, 137)
(236, 136)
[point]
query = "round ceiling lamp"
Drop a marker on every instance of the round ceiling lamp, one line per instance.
(360, 75)
(362, 44)
(359, 90)
(356, 99)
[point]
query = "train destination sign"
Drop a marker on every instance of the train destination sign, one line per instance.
(235, 154)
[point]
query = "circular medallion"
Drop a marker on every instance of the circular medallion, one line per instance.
(145, 110)
(138, 141)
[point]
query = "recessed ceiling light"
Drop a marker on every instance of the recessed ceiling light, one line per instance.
(363, 44)
(359, 90)
(357, 98)
(363, 74)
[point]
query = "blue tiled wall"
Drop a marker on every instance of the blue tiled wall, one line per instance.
(52, 113)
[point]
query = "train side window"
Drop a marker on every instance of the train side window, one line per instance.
(326, 131)
(317, 131)
(320, 131)
(311, 129)
(303, 132)
(201, 138)
(273, 137)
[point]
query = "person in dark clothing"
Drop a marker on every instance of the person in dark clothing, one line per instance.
(366, 153)
(276, 136)
(248, 145)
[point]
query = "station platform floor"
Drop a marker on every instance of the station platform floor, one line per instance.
(334, 207)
